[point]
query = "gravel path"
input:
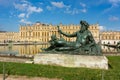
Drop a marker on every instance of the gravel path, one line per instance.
(13, 59)
(26, 78)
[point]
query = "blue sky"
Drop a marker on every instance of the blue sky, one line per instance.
(16, 12)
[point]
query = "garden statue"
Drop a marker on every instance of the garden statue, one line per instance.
(84, 44)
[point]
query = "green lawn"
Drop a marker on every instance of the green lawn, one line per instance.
(64, 73)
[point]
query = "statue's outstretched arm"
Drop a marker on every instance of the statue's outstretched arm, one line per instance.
(66, 34)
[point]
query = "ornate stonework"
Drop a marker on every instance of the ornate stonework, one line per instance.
(42, 33)
(111, 37)
(9, 36)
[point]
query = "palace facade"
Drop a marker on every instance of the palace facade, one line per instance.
(39, 32)
(110, 37)
(42, 32)
(9, 36)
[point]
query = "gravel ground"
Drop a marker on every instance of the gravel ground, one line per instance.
(11, 77)
(13, 59)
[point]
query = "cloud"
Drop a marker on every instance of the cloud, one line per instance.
(67, 8)
(22, 15)
(49, 7)
(84, 10)
(21, 7)
(82, 4)
(73, 11)
(113, 18)
(32, 9)
(25, 1)
(102, 28)
(115, 2)
(108, 9)
(26, 9)
(25, 21)
(58, 4)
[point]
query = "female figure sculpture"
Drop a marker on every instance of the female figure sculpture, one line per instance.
(84, 44)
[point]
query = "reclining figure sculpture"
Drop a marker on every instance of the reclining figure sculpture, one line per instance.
(84, 44)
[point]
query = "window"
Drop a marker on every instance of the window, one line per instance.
(103, 42)
(38, 34)
(114, 42)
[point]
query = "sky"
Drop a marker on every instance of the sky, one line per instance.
(14, 13)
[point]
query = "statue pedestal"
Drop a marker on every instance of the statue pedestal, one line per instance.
(67, 60)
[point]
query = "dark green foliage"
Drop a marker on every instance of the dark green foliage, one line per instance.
(64, 73)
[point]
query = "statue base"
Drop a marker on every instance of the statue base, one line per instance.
(67, 60)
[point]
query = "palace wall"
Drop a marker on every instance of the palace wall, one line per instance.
(39, 32)
(42, 32)
(9, 36)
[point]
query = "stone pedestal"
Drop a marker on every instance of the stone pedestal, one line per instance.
(66, 60)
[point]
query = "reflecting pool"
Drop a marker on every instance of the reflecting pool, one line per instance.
(21, 49)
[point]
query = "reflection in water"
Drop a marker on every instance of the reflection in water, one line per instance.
(22, 49)
(109, 49)
(34, 49)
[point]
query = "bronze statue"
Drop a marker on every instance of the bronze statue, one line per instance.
(84, 44)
